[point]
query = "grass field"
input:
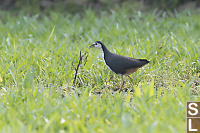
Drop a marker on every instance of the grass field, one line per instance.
(39, 53)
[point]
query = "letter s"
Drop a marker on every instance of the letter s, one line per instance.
(193, 108)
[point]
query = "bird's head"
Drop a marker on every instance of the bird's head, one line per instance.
(97, 44)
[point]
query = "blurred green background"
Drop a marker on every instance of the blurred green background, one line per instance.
(40, 43)
(77, 5)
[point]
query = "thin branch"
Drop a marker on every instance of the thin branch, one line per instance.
(79, 63)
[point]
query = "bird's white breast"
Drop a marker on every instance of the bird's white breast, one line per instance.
(102, 56)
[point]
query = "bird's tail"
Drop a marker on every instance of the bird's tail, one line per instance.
(143, 62)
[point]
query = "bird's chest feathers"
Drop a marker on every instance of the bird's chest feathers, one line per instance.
(103, 57)
(102, 54)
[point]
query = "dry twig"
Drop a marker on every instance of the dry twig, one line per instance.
(79, 63)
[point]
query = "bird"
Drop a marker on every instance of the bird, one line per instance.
(119, 64)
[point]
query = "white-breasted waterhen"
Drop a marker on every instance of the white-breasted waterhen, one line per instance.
(119, 64)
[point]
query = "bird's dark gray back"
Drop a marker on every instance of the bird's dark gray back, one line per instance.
(119, 64)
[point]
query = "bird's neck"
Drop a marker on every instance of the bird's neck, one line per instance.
(105, 50)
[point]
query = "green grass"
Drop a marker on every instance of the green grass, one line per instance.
(38, 55)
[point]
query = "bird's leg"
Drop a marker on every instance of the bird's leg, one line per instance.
(130, 79)
(122, 84)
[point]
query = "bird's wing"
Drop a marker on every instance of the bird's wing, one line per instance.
(132, 62)
(120, 64)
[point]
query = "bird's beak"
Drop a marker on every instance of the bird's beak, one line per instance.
(91, 46)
